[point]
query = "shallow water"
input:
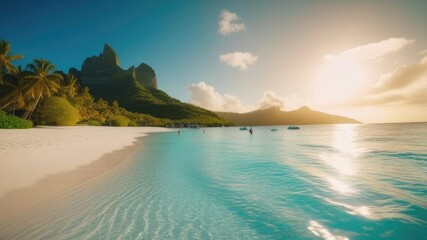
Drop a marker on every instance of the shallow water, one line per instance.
(319, 182)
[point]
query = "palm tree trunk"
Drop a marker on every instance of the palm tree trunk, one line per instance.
(14, 104)
(34, 107)
(30, 110)
(26, 113)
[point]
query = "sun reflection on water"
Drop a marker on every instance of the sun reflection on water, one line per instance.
(343, 165)
(345, 138)
(321, 231)
(347, 150)
(340, 186)
(343, 158)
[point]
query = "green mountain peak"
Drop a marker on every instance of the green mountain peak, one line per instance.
(136, 90)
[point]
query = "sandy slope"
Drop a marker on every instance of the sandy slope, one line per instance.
(29, 155)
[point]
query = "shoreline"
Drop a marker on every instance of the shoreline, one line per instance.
(56, 178)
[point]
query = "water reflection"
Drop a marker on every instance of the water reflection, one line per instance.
(382, 210)
(343, 158)
(345, 139)
(365, 176)
(347, 151)
(343, 165)
(321, 231)
(340, 186)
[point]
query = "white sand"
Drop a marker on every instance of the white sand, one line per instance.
(29, 155)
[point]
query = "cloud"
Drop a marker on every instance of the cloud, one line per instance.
(402, 77)
(406, 85)
(423, 52)
(228, 24)
(372, 51)
(205, 96)
(238, 59)
(270, 99)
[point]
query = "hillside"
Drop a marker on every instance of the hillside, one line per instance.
(273, 116)
(136, 90)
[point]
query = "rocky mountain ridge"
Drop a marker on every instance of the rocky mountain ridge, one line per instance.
(105, 68)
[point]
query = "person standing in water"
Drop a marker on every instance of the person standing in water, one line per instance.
(251, 131)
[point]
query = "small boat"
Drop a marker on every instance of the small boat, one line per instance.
(293, 128)
(274, 130)
(243, 128)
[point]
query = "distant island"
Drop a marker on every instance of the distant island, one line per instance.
(274, 116)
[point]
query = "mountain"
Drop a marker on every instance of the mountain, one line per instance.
(273, 116)
(104, 69)
(136, 90)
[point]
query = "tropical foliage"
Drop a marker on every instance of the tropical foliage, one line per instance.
(46, 96)
(56, 111)
(6, 59)
(40, 82)
(10, 121)
(119, 121)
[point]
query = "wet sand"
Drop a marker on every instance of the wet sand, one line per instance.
(30, 178)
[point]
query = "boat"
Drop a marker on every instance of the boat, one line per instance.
(243, 128)
(274, 130)
(293, 128)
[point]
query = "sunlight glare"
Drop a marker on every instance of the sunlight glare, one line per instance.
(344, 159)
(321, 231)
(343, 165)
(339, 186)
(344, 138)
(339, 79)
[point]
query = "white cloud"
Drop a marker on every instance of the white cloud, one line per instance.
(406, 85)
(402, 77)
(205, 96)
(270, 99)
(423, 52)
(238, 59)
(228, 24)
(372, 51)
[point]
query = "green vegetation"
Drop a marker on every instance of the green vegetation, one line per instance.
(13, 121)
(136, 90)
(119, 121)
(43, 95)
(93, 123)
(6, 59)
(56, 111)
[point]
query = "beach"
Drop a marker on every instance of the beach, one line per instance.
(40, 164)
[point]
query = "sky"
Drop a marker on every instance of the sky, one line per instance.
(362, 59)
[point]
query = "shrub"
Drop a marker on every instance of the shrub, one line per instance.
(132, 124)
(57, 111)
(10, 121)
(93, 123)
(119, 121)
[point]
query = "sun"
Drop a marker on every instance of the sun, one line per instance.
(339, 80)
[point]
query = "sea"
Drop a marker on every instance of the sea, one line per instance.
(364, 181)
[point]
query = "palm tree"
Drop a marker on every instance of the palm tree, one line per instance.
(13, 94)
(42, 82)
(71, 86)
(6, 59)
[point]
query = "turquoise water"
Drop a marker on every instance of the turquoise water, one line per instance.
(319, 182)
